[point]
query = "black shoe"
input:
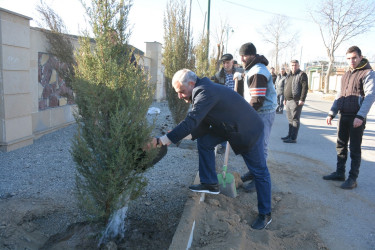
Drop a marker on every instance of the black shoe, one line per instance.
(249, 188)
(290, 141)
(334, 177)
(279, 112)
(205, 188)
(220, 150)
(262, 221)
(349, 184)
(285, 138)
(247, 177)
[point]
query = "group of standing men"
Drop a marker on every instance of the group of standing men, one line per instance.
(245, 119)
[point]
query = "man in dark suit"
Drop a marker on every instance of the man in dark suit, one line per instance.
(219, 114)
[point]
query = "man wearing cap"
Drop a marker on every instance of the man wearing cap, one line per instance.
(260, 92)
(295, 92)
(225, 77)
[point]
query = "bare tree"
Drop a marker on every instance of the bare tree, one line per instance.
(220, 38)
(277, 33)
(339, 21)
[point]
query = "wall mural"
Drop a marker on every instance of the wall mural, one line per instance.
(53, 91)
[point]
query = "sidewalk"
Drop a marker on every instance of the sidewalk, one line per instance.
(348, 215)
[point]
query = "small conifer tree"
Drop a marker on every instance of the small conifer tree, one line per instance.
(113, 96)
(177, 53)
(201, 52)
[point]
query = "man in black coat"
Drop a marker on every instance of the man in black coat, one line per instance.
(219, 114)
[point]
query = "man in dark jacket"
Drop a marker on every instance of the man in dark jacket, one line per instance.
(354, 101)
(225, 75)
(274, 76)
(219, 114)
(295, 92)
(280, 83)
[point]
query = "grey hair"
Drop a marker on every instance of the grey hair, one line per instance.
(184, 76)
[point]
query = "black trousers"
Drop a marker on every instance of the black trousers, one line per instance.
(280, 103)
(345, 133)
(293, 113)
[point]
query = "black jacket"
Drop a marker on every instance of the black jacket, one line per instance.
(299, 85)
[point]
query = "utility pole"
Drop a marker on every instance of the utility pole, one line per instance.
(189, 30)
(208, 28)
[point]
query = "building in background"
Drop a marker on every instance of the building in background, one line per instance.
(34, 100)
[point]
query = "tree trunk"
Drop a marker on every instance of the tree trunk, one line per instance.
(326, 82)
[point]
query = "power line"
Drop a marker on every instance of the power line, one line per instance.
(200, 7)
(267, 12)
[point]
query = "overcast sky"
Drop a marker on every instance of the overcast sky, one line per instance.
(245, 19)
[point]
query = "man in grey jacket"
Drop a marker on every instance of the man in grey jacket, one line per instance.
(353, 102)
(219, 114)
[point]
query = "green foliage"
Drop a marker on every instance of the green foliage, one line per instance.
(177, 53)
(201, 61)
(213, 68)
(113, 97)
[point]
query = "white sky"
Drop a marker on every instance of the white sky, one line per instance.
(244, 17)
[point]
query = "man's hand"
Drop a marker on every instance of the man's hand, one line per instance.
(329, 120)
(357, 122)
(151, 144)
(237, 75)
(300, 103)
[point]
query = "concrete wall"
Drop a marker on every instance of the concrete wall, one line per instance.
(23, 54)
(15, 90)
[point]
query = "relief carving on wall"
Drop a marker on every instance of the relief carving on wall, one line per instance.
(53, 91)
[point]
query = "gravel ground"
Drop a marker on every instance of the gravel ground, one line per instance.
(42, 175)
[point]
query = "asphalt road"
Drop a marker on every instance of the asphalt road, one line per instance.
(348, 215)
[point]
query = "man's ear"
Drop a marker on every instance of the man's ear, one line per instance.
(192, 84)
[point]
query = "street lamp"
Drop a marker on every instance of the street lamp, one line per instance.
(226, 46)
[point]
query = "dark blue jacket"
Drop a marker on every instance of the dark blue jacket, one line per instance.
(220, 111)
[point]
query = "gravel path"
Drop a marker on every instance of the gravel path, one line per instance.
(44, 173)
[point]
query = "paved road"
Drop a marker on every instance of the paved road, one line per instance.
(347, 217)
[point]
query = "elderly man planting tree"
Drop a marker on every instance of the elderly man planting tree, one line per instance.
(219, 114)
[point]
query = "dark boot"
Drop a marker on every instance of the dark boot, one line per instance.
(350, 183)
(290, 140)
(335, 176)
(247, 177)
(293, 133)
(285, 138)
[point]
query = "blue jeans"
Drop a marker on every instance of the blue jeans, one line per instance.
(255, 162)
(268, 119)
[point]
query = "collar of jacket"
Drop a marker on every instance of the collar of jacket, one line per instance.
(362, 65)
(297, 72)
(258, 59)
(222, 71)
